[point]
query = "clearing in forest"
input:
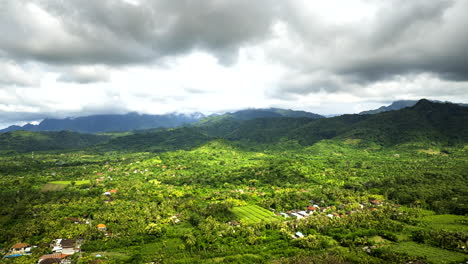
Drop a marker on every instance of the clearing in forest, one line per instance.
(253, 214)
(48, 187)
(60, 185)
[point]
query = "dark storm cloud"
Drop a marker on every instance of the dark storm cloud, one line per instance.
(402, 38)
(417, 36)
(116, 32)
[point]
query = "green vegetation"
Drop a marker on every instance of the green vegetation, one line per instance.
(446, 222)
(72, 182)
(24, 141)
(431, 254)
(186, 196)
(253, 214)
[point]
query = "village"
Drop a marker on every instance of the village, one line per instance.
(61, 249)
(119, 213)
(330, 211)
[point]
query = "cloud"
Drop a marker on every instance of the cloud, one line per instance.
(395, 38)
(84, 75)
(13, 74)
(80, 57)
(118, 32)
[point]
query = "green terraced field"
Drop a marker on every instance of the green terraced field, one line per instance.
(432, 254)
(447, 222)
(70, 182)
(253, 214)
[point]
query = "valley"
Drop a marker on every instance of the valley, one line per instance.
(384, 188)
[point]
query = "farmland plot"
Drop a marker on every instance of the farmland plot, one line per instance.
(253, 214)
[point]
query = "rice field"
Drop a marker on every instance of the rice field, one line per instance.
(70, 182)
(60, 185)
(253, 214)
(448, 222)
(432, 254)
(51, 187)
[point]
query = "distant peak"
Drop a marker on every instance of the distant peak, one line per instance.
(424, 103)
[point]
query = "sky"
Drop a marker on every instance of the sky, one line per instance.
(61, 58)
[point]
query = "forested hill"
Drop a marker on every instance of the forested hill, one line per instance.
(444, 123)
(157, 141)
(426, 121)
(107, 123)
(397, 105)
(24, 141)
(251, 114)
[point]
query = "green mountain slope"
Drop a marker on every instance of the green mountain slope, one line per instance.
(164, 140)
(23, 141)
(443, 123)
(426, 121)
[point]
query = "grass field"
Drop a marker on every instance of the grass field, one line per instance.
(432, 254)
(447, 222)
(253, 214)
(50, 187)
(70, 182)
(60, 185)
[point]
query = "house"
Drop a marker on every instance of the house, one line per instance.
(298, 235)
(375, 202)
(311, 209)
(50, 261)
(20, 248)
(113, 191)
(175, 219)
(298, 216)
(303, 213)
(285, 215)
(66, 246)
(102, 227)
(107, 193)
(54, 258)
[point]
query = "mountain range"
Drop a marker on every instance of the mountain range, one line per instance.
(425, 122)
(108, 123)
(134, 121)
